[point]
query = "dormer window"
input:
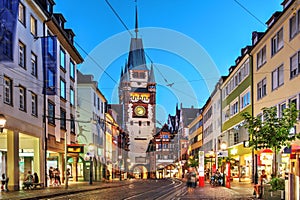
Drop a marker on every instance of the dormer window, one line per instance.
(49, 7)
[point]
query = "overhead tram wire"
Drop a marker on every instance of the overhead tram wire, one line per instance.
(119, 18)
(264, 24)
(98, 65)
(126, 27)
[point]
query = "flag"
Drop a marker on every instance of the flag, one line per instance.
(8, 21)
(49, 49)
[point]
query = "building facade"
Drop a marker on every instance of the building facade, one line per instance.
(91, 109)
(137, 94)
(276, 78)
(38, 89)
(236, 99)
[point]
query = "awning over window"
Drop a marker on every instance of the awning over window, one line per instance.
(265, 151)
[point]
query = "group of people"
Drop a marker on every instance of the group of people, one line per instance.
(30, 180)
(54, 176)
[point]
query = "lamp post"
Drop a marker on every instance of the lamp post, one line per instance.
(91, 153)
(211, 155)
(127, 168)
(120, 160)
(2, 122)
(256, 129)
(223, 147)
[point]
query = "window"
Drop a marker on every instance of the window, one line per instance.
(294, 65)
(142, 75)
(22, 54)
(277, 77)
(98, 103)
(245, 100)
(95, 103)
(62, 119)
(294, 101)
(22, 98)
(51, 113)
(277, 42)
(33, 104)
(102, 107)
(33, 26)
(72, 124)
(33, 65)
(21, 15)
(234, 108)
(72, 97)
(261, 57)
(62, 89)
(62, 59)
(236, 138)
(6, 45)
(50, 79)
(135, 74)
(281, 109)
(294, 25)
(49, 6)
(262, 89)
(72, 70)
(8, 91)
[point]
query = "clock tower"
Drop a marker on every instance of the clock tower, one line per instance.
(137, 95)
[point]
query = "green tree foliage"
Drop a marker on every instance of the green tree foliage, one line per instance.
(273, 131)
(193, 162)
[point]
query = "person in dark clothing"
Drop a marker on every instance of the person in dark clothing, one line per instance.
(4, 182)
(35, 178)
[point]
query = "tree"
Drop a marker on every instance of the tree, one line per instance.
(193, 161)
(273, 131)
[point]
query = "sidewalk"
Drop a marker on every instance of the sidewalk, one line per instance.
(238, 190)
(48, 192)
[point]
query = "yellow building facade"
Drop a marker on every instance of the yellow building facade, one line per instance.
(276, 65)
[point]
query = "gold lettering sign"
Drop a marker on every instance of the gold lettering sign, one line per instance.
(75, 149)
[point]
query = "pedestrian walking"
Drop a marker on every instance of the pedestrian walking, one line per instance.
(4, 182)
(57, 181)
(191, 179)
(51, 175)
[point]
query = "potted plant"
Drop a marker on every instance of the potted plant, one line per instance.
(277, 184)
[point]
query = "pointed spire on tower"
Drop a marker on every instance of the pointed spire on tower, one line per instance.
(136, 21)
(151, 74)
(121, 72)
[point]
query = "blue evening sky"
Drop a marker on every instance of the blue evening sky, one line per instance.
(190, 42)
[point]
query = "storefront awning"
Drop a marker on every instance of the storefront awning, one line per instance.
(265, 151)
(295, 148)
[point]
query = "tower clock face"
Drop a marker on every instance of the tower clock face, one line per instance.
(140, 111)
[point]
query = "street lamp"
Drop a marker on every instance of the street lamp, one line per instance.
(2, 122)
(223, 147)
(91, 153)
(256, 129)
(120, 160)
(211, 155)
